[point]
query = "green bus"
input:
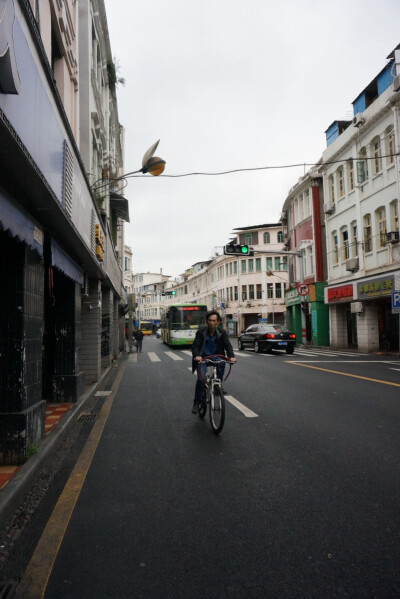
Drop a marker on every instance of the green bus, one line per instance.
(180, 322)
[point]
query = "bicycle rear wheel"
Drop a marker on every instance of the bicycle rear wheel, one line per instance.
(217, 409)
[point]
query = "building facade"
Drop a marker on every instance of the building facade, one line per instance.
(304, 234)
(361, 189)
(61, 280)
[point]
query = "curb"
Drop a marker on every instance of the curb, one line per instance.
(14, 492)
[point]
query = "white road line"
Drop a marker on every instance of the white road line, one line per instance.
(187, 352)
(153, 356)
(241, 354)
(173, 356)
(395, 369)
(342, 362)
(242, 408)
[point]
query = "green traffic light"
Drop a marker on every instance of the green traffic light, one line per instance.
(245, 249)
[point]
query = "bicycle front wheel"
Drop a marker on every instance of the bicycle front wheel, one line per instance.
(217, 409)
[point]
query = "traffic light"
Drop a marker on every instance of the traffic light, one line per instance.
(237, 249)
(168, 293)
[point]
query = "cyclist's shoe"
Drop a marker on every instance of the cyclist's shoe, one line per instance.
(195, 408)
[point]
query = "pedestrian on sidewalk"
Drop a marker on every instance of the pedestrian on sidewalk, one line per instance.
(138, 335)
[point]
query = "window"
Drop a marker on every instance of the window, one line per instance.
(278, 290)
(350, 174)
(307, 210)
(258, 264)
(251, 292)
(243, 265)
(377, 155)
(284, 263)
(231, 294)
(381, 226)
(277, 263)
(269, 263)
(300, 208)
(394, 216)
(248, 238)
(280, 237)
(390, 146)
(367, 233)
(270, 290)
(354, 239)
(258, 291)
(266, 237)
(236, 293)
(345, 244)
(362, 167)
(331, 188)
(335, 248)
(251, 265)
(340, 181)
(235, 268)
(244, 292)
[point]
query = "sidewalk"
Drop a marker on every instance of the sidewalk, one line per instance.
(15, 481)
(54, 413)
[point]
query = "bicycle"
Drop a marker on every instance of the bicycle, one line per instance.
(213, 395)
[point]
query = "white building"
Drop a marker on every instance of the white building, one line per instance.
(243, 289)
(361, 191)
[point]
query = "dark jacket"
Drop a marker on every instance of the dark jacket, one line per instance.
(224, 346)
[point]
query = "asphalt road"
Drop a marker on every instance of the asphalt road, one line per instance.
(298, 498)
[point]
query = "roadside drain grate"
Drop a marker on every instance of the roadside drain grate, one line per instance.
(83, 417)
(7, 590)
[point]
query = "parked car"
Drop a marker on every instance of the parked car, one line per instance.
(158, 333)
(266, 337)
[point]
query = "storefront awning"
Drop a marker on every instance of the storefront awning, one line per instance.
(20, 225)
(63, 262)
(120, 206)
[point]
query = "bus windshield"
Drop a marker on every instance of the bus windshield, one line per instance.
(186, 317)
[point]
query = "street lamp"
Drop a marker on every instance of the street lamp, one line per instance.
(150, 164)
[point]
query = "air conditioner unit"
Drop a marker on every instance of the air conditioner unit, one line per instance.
(329, 208)
(396, 83)
(356, 308)
(393, 237)
(352, 264)
(358, 120)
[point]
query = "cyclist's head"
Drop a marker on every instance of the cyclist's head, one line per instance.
(212, 318)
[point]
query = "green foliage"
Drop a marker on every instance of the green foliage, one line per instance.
(32, 449)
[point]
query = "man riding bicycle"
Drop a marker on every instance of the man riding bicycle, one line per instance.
(209, 340)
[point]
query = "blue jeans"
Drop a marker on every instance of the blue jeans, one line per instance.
(198, 392)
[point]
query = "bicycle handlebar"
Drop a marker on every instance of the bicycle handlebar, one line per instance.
(211, 361)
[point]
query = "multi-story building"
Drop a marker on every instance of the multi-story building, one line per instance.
(304, 234)
(148, 289)
(59, 270)
(361, 189)
(244, 289)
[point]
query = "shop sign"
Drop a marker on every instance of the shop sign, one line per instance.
(344, 293)
(375, 288)
(292, 297)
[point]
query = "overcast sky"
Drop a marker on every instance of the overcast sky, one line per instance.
(232, 84)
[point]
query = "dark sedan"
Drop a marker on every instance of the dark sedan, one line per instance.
(266, 337)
